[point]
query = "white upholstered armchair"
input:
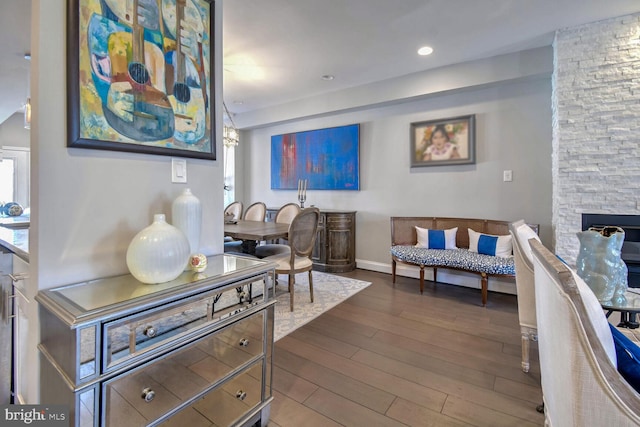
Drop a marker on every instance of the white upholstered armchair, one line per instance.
(580, 383)
(521, 233)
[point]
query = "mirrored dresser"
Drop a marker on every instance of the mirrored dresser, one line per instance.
(195, 351)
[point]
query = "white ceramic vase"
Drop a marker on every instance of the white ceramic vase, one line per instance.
(186, 212)
(158, 253)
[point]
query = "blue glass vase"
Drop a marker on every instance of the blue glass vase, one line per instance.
(599, 263)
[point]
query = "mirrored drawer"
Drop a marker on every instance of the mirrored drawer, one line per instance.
(146, 394)
(223, 406)
(140, 333)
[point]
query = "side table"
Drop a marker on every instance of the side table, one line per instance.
(629, 308)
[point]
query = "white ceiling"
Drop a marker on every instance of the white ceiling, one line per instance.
(276, 51)
(294, 42)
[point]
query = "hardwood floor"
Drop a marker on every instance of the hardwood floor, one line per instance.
(392, 357)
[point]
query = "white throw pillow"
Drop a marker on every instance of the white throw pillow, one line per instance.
(489, 244)
(440, 239)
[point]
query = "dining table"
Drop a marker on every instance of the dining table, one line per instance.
(252, 232)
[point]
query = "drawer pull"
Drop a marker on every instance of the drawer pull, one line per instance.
(148, 394)
(150, 331)
(18, 276)
(244, 342)
(5, 314)
(241, 394)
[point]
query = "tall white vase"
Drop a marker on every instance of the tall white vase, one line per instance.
(186, 212)
(158, 253)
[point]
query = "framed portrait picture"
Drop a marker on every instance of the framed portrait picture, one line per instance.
(443, 142)
(140, 76)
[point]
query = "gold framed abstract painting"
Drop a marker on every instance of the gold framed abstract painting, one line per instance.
(140, 76)
(443, 142)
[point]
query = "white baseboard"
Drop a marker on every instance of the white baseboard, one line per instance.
(454, 277)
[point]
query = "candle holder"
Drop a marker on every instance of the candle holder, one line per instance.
(302, 192)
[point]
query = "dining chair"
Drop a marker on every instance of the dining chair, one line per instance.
(255, 212)
(301, 239)
(285, 215)
(521, 233)
(287, 212)
(235, 209)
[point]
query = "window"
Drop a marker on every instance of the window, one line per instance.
(14, 175)
(229, 174)
(7, 172)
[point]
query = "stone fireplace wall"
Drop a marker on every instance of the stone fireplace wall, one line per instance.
(596, 125)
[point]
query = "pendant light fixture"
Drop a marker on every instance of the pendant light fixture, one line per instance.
(230, 134)
(230, 139)
(27, 105)
(27, 114)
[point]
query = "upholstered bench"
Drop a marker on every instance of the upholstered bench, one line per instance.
(456, 253)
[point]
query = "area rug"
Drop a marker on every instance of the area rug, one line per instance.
(329, 290)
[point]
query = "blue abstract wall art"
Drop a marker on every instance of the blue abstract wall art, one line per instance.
(327, 158)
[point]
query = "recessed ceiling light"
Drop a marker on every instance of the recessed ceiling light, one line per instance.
(425, 50)
(328, 77)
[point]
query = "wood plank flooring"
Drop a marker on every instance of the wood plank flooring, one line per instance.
(389, 356)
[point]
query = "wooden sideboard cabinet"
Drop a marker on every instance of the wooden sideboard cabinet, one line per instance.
(270, 215)
(335, 247)
(195, 351)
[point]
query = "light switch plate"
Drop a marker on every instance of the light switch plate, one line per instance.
(507, 176)
(178, 170)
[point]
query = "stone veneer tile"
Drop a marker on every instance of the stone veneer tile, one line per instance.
(596, 125)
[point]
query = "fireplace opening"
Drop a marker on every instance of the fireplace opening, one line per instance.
(630, 253)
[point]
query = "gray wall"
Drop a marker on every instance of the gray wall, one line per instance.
(86, 205)
(513, 131)
(13, 133)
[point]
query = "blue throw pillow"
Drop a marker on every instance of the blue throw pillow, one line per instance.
(628, 357)
(487, 244)
(436, 239)
(490, 244)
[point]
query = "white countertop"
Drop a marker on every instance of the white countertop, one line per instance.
(21, 221)
(15, 240)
